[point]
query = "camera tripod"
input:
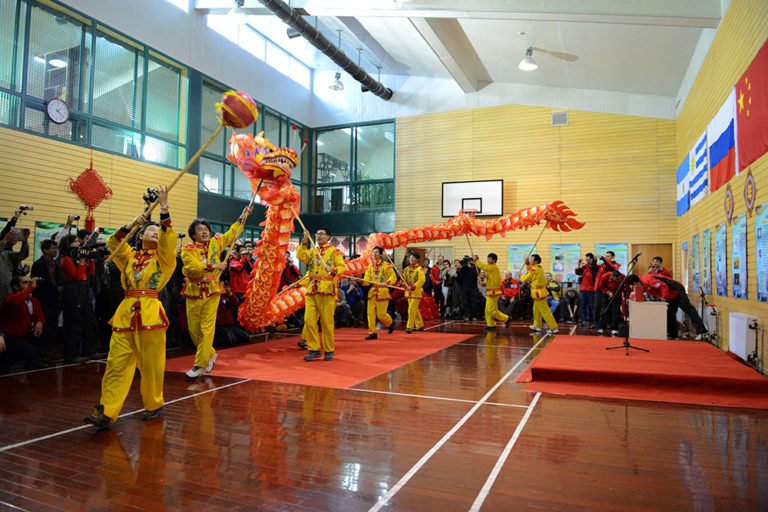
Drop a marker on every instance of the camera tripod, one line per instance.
(617, 295)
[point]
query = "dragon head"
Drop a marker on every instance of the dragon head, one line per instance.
(263, 163)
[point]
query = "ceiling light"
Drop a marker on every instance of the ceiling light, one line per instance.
(528, 64)
(58, 63)
(337, 84)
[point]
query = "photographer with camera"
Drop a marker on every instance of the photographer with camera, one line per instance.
(470, 295)
(76, 264)
(46, 270)
(10, 260)
(66, 229)
(140, 323)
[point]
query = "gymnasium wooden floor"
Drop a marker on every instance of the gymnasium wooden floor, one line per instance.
(451, 431)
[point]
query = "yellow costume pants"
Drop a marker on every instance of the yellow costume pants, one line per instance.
(129, 350)
(414, 315)
(201, 320)
(492, 313)
(541, 312)
(377, 310)
(319, 307)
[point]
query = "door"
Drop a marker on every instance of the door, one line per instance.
(649, 252)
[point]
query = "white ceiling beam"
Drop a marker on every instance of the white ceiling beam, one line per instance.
(452, 46)
(685, 13)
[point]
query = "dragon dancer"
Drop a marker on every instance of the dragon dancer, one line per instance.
(139, 324)
(492, 292)
(203, 268)
(535, 277)
(414, 280)
(378, 275)
(324, 263)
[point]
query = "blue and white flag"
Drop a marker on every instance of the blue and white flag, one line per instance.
(683, 172)
(699, 180)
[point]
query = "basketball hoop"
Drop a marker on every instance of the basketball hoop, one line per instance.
(469, 212)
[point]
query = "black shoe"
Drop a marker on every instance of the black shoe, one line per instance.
(312, 355)
(98, 419)
(419, 329)
(408, 331)
(150, 415)
(509, 321)
(302, 344)
(328, 356)
(391, 327)
(372, 337)
(489, 328)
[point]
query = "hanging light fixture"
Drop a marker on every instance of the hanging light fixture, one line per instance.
(337, 84)
(528, 64)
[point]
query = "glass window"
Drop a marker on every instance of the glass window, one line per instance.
(296, 136)
(57, 62)
(209, 121)
(272, 128)
(166, 97)
(116, 140)
(12, 22)
(333, 152)
(117, 83)
(375, 196)
(163, 152)
(211, 176)
(332, 199)
(242, 185)
(9, 109)
(376, 151)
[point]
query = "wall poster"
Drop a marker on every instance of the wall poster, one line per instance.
(706, 261)
(739, 256)
(721, 275)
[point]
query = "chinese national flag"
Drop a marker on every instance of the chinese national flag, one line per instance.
(752, 110)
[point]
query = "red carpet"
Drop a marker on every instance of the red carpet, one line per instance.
(355, 360)
(673, 371)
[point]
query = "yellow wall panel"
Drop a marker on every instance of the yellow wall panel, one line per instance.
(616, 172)
(742, 32)
(36, 171)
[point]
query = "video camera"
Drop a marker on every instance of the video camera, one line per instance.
(92, 252)
(75, 217)
(151, 195)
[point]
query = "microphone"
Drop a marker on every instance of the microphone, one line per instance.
(636, 256)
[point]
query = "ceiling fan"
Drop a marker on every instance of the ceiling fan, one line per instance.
(568, 57)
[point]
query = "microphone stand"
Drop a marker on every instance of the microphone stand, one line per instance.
(626, 345)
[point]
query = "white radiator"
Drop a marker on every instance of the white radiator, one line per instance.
(741, 339)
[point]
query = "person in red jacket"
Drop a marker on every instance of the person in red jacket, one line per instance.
(675, 296)
(658, 269)
(240, 268)
(436, 278)
(606, 267)
(21, 322)
(79, 316)
(587, 272)
(510, 291)
(608, 286)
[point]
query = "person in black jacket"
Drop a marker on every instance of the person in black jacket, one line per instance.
(47, 292)
(470, 295)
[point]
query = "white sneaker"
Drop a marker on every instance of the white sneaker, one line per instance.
(614, 332)
(211, 362)
(534, 328)
(554, 331)
(701, 336)
(195, 372)
(600, 331)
